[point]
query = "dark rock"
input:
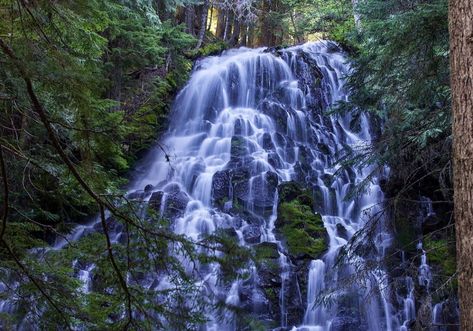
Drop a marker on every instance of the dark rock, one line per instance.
(263, 193)
(171, 188)
(278, 113)
(249, 217)
(323, 148)
(345, 323)
(239, 147)
(342, 231)
(229, 232)
(221, 182)
(267, 142)
(136, 195)
(155, 201)
(175, 204)
(148, 188)
(252, 234)
(266, 250)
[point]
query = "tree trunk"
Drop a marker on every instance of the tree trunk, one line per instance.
(243, 35)
(221, 18)
(236, 32)
(356, 15)
(250, 36)
(461, 61)
(209, 27)
(296, 31)
(228, 26)
(203, 23)
(190, 15)
(162, 11)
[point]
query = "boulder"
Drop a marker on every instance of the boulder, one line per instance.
(252, 234)
(155, 201)
(221, 182)
(175, 204)
(297, 225)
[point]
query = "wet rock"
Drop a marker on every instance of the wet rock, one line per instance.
(341, 231)
(239, 147)
(229, 232)
(263, 193)
(278, 113)
(295, 305)
(249, 217)
(345, 323)
(305, 158)
(175, 204)
(172, 188)
(155, 201)
(252, 234)
(267, 142)
(136, 195)
(274, 160)
(221, 182)
(148, 188)
(323, 148)
(266, 250)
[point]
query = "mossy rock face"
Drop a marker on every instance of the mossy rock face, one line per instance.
(302, 230)
(290, 191)
(441, 255)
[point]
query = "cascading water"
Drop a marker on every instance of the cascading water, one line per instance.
(248, 121)
(251, 119)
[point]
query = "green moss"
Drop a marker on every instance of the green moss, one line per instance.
(302, 229)
(291, 190)
(441, 253)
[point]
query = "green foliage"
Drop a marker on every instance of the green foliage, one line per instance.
(104, 72)
(401, 77)
(328, 19)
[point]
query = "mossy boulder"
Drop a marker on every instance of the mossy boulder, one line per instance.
(441, 256)
(298, 226)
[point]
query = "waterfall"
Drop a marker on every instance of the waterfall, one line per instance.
(246, 122)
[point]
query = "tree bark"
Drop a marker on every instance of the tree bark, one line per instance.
(461, 61)
(244, 35)
(228, 26)
(203, 23)
(235, 33)
(190, 15)
(296, 31)
(221, 18)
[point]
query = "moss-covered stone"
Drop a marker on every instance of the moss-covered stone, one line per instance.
(441, 253)
(298, 226)
(302, 229)
(290, 191)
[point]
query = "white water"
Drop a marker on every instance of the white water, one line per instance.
(255, 116)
